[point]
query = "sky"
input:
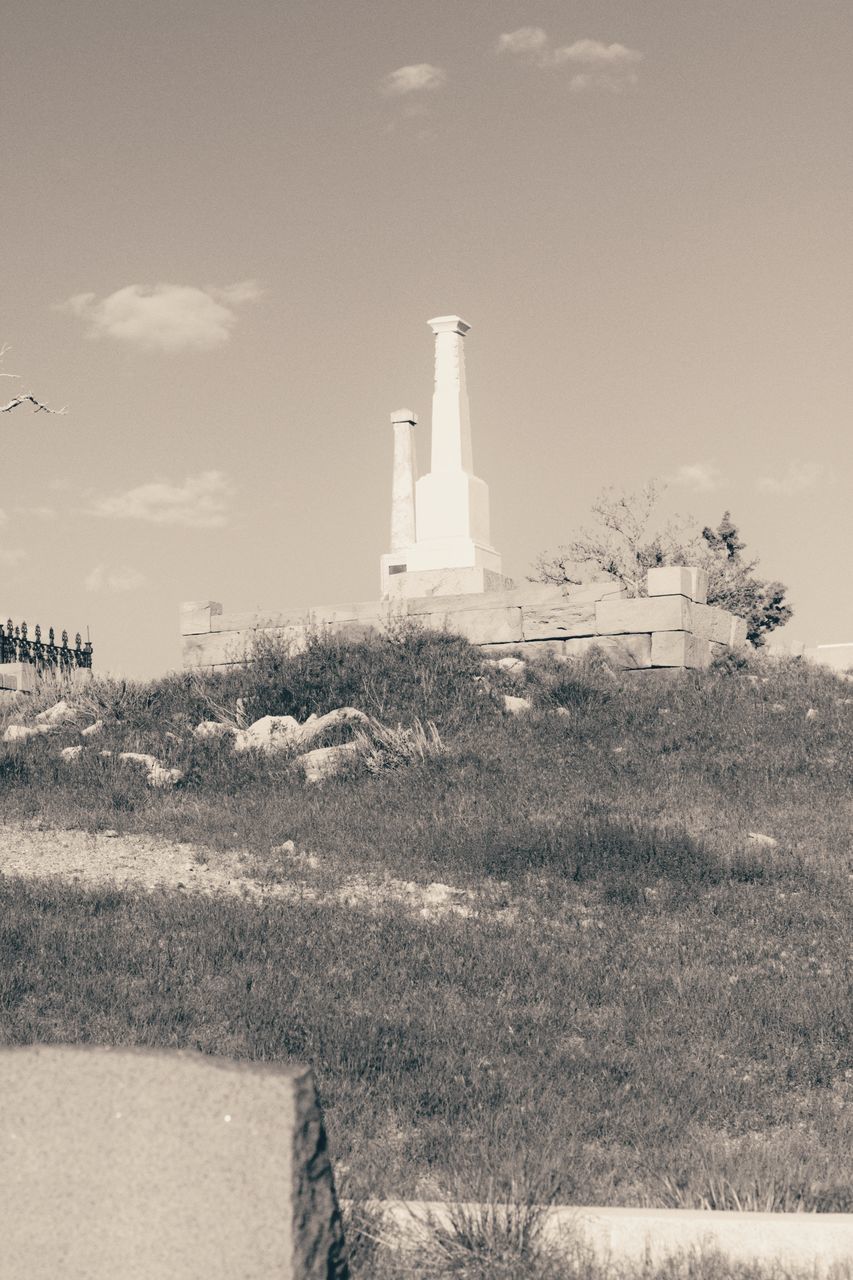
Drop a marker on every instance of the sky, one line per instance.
(225, 226)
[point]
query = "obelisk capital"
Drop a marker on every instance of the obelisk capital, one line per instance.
(449, 324)
(404, 415)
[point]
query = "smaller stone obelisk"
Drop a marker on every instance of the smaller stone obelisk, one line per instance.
(404, 472)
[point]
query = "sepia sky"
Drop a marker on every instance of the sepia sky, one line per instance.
(225, 226)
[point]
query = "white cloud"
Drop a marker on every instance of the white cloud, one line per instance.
(524, 40)
(607, 66)
(702, 477)
(797, 477)
(593, 53)
(123, 578)
(201, 502)
(412, 79)
(164, 317)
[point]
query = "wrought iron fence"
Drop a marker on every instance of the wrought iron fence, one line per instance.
(16, 645)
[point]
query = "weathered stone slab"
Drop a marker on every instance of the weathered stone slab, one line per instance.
(710, 622)
(527, 649)
(354, 629)
(678, 580)
(737, 638)
(19, 676)
(197, 616)
(592, 591)
(838, 657)
(679, 649)
(225, 648)
(655, 613)
(259, 621)
(480, 626)
(362, 611)
(140, 1164)
(558, 622)
(419, 583)
(623, 651)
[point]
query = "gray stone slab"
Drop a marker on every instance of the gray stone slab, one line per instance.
(122, 1164)
(558, 622)
(649, 613)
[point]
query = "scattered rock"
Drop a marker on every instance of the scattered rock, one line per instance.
(285, 733)
(811, 714)
(92, 730)
(766, 842)
(158, 775)
(22, 732)
(212, 729)
(326, 762)
(71, 753)
(777, 706)
(510, 663)
(60, 713)
(514, 705)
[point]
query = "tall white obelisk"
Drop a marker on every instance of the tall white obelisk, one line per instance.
(452, 503)
(451, 551)
(403, 475)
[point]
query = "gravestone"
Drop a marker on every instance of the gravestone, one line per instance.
(142, 1164)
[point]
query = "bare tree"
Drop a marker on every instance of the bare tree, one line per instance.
(625, 542)
(26, 396)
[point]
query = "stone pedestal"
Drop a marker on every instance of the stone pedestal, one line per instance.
(138, 1163)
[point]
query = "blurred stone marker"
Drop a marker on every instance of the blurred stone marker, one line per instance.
(147, 1164)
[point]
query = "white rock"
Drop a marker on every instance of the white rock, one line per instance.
(92, 730)
(515, 706)
(811, 714)
(284, 733)
(516, 665)
(70, 753)
(21, 732)
(777, 706)
(210, 729)
(60, 713)
(160, 776)
(325, 762)
(767, 842)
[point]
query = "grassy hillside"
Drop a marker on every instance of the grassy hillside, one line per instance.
(646, 1006)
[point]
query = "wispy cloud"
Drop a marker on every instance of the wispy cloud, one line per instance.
(604, 66)
(797, 477)
(164, 317)
(417, 78)
(201, 502)
(701, 477)
(123, 578)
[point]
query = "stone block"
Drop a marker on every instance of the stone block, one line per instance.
(197, 616)
(679, 649)
(624, 651)
(653, 613)
(678, 580)
(592, 591)
(466, 580)
(21, 677)
(838, 657)
(363, 611)
(737, 636)
(354, 629)
(710, 622)
(227, 648)
(261, 621)
(140, 1163)
(532, 649)
(480, 626)
(573, 618)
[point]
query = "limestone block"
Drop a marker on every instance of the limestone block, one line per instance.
(737, 637)
(679, 649)
(326, 762)
(21, 676)
(560, 622)
(593, 591)
(261, 621)
(654, 613)
(838, 657)
(678, 580)
(527, 649)
(140, 1163)
(197, 616)
(623, 651)
(515, 706)
(480, 626)
(355, 630)
(362, 611)
(227, 648)
(468, 580)
(710, 622)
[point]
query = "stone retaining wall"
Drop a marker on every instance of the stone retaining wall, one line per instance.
(672, 627)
